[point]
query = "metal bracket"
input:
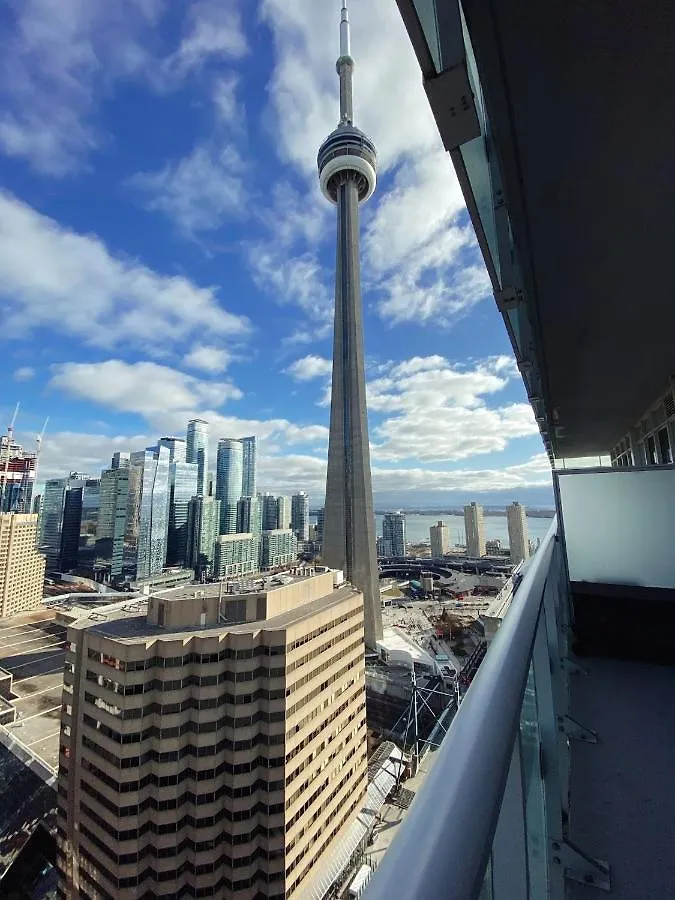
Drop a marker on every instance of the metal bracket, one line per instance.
(572, 667)
(579, 866)
(576, 730)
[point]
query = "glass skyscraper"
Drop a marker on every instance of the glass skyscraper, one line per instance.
(203, 530)
(183, 479)
(300, 515)
(112, 519)
(393, 532)
(269, 512)
(283, 513)
(148, 511)
(249, 515)
(248, 483)
(229, 473)
(197, 451)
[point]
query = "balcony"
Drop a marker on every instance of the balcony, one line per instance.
(556, 777)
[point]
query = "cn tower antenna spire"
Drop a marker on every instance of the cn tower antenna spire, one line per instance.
(345, 48)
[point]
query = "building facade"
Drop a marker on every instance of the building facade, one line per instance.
(183, 478)
(236, 554)
(211, 759)
(22, 567)
(300, 515)
(197, 451)
(249, 514)
(393, 532)
(283, 513)
(147, 512)
(248, 480)
(229, 475)
(279, 548)
(78, 526)
(269, 511)
(474, 525)
(440, 543)
(52, 520)
(203, 530)
(519, 544)
(112, 520)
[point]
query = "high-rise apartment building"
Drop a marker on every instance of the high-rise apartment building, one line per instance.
(79, 523)
(197, 451)
(215, 747)
(183, 478)
(519, 545)
(229, 474)
(203, 531)
(147, 512)
(283, 513)
(279, 548)
(249, 514)
(120, 460)
(300, 515)
(393, 532)
(52, 521)
(176, 447)
(269, 512)
(237, 554)
(112, 520)
(474, 525)
(248, 480)
(440, 544)
(22, 567)
(320, 518)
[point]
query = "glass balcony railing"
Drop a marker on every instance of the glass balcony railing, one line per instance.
(489, 821)
(512, 783)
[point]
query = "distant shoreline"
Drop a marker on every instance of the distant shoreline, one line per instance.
(531, 512)
(459, 511)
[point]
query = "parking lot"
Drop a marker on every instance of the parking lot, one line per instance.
(32, 648)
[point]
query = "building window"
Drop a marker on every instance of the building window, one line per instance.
(651, 451)
(664, 447)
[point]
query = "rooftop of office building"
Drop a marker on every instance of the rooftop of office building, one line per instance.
(274, 602)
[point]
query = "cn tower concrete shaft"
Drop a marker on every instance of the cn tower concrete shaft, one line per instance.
(347, 163)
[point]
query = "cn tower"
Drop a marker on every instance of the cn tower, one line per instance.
(347, 162)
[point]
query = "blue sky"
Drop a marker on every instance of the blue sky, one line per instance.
(165, 251)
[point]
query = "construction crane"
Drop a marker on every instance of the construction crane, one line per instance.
(10, 441)
(38, 448)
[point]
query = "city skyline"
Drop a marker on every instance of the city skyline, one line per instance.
(218, 241)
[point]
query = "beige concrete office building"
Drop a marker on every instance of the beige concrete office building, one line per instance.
(22, 567)
(519, 544)
(212, 747)
(474, 525)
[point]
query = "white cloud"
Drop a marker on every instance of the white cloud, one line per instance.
(228, 108)
(141, 387)
(55, 278)
(57, 61)
(430, 411)
(416, 233)
(207, 359)
(200, 191)
(294, 279)
(214, 29)
(24, 373)
(310, 367)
